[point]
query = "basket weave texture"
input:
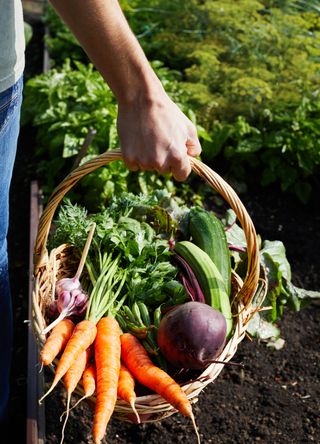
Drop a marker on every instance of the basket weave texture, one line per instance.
(59, 263)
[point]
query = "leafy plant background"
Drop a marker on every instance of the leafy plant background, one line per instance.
(247, 72)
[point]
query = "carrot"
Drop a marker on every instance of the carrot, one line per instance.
(71, 379)
(126, 388)
(107, 358)
(57, 341)
(88, 383)
(81, 339)
(89, 380)
(138, 362)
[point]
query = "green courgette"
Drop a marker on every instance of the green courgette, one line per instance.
(207, 232)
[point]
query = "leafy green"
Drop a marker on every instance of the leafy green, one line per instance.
(250, 72)
(281, 292)
(28, 32)
(123, 232)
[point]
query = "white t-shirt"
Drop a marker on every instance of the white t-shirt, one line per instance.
(12, 44)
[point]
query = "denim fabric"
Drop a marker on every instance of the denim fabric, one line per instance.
(10, 104)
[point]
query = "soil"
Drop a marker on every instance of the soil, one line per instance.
(274, 399)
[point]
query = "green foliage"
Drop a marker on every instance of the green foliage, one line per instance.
(62, 104)
(251, 73)
(280, 292)
(28, 32)
(285, 146)
(123, 231)
(247, 54)
(248, 70)
(61, 43)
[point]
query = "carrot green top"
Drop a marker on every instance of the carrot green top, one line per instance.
(106, 289)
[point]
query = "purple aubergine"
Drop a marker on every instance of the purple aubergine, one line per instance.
(192, 335)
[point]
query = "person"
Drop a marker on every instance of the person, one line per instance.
(154, 134)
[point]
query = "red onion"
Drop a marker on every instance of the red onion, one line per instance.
(69, 303)
(67, 284)
(70, 298)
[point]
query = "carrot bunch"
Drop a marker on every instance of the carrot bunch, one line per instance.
(107, 361)
(120, 360)
(99, 330)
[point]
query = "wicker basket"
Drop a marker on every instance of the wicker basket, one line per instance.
(59, 264)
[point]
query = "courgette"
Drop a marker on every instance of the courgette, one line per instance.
(207, 232)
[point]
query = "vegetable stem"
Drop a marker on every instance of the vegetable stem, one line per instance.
(103, 296)
(85, 251)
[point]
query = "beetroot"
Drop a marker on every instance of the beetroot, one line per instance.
(192, 335)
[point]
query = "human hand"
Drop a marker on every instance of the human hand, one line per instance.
(155, 135)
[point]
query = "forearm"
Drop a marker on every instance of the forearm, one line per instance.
(154, 134)
(104, 34)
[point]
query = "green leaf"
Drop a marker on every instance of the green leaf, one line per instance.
(71, 145)
(276, 250)
(262, 329)
(299, 297)
(28, 32)
(235, 234)
(303, 191)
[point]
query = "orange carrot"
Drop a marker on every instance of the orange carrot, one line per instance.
(71, 379)
(126, 388)
(88, 383)
(81, 339)
(57, 341)
(107, 357)
(138, 362)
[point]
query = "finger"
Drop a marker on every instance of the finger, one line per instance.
(193, 147)
(130, 154)
(145, 165)
(133, 167)
(162, 167)
(181, 170)
(130, 162)
(192, 143)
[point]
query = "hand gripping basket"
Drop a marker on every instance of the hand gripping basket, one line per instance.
(150, 407)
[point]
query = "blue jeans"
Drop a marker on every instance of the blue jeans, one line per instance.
(10, 105)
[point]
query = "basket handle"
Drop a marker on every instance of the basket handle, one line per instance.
(213, 179)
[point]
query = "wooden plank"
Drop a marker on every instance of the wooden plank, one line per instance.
(35, 413)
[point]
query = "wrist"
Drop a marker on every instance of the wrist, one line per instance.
(142, 86)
